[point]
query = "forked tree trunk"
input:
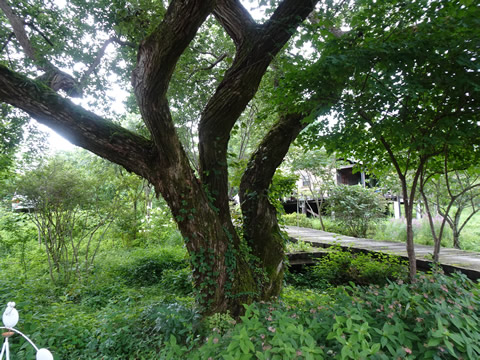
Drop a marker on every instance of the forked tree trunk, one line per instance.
(223, 276)
(456, 240)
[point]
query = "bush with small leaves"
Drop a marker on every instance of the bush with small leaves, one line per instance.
(340, 267)
(146, 269)
(356, 208)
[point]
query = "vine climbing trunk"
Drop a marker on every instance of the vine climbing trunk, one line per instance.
(224, 274)
(260, 225)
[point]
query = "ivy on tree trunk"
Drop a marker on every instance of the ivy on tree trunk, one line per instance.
(227, 271)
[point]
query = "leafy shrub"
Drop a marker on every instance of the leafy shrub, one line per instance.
(97, 294)
(147, 268)
(342, 267)
(435, 318)
(177, 281)
(303, 279)
(355, 208)
(297, 220)
(282, 185)
(117, 332)
(298, 246)
(121, 334)
(220, 323)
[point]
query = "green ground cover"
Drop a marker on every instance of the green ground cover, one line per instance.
(138, 303)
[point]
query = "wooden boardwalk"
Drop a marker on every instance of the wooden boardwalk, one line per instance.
(450, 259)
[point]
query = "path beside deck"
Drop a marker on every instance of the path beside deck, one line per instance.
(451, 259)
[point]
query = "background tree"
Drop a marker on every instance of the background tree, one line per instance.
(16, 231)
(10, 137)
(412, 90)
(71, 214)
(319, 170)
(451, 194)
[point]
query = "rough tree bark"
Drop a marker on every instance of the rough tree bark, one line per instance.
(225, 277)
(261, 229)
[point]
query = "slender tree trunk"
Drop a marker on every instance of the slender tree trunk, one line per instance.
(320, 208)
(436, 238)
(408, 206)
(456, 228)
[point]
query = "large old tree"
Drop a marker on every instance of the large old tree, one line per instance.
(38, 38)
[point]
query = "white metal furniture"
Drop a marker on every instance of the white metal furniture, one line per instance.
(10, 319)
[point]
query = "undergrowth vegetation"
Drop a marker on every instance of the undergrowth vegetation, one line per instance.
(343, 267)
(438, 317)
(433, 319)
(138, 303)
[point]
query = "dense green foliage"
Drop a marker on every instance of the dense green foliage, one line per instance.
(429, 320)
(399, 108)
(355, 208)
(11, 132)
(138, 303)
(436, 318)
(133, 298)
(409, 79)
(341, 267)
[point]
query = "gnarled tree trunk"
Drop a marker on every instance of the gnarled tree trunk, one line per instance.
(260, 224)
(224, 276)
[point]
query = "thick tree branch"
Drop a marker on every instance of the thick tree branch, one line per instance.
(236, 20)
(53, 77)
(259, 215)
(284, 21)
(240, 84)
(160, 51)
(157, 58)
(81, 127)
(270, 153)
